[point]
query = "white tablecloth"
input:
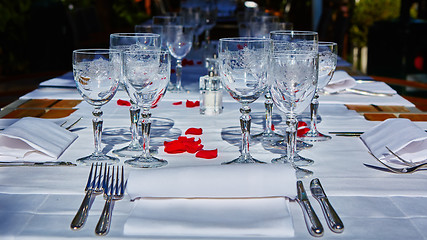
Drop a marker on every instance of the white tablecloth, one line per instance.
(39, 203)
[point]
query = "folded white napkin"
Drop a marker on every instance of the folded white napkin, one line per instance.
(204, 218)
(340, 81)
(34, 139)
(401, 136)
(232, 181)
(212, 201)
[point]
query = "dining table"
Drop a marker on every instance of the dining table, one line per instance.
(39, 202)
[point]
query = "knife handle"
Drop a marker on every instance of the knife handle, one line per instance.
(314, 226)
(332, 218)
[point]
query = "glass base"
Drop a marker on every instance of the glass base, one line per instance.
(298, 160)
(174, 89)
(101, 158)
(268, 136)
(142, 162)
(132, 152)
(302, 173)
(300, 145)
(244, 160)
(314, 137)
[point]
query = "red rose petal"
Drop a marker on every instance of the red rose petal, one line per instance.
(199, 62)
(272, 127)
(302, 129)
(173, 71)
(121, 102)
(194, 131)
(191, 104)
(177, 103)
(174, 147)
(207, 154)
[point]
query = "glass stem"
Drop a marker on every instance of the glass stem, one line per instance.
(146, 127)
(178, 74)
(291, 138)
(97, 129)
(207, 36)
(134, 119)
(268, 114)
(245, 125)
(313, 118)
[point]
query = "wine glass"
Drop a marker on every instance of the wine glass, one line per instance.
(146, 74)
(162, 21)
(327, 65)
(293, 76)
(243, 64)
(261, 26)
(97, 74)
(179, 40)
(134, 41)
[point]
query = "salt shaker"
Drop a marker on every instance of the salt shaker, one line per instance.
(210, 90)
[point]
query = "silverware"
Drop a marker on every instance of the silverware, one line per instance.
(331, 216)
(36, 164)
(312, 222)
(401, 170)
(112, 192)
(93, 187)
(347, 134)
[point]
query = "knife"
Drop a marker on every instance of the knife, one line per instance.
(332, 218)
(314, 226)
(35, 164)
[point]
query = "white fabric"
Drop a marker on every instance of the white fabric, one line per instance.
(402, 137)
(340, 81)
(221, 181)
(256, 217)
(34, 139)
(66, 80)
(373, 86)
(212, 201)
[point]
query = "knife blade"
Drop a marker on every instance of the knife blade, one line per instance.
(312, 222)
(331, 216)
(36, 164)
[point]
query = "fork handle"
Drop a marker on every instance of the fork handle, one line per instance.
(81, 215)
(103, 225)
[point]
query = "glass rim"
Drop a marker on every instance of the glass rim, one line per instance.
(324, 43)
(134, 35)
(97, 51)
(146, 50)
(293, 32)
(245, 39)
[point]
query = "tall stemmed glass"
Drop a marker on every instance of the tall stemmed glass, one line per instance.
(243, 64)
(293, 75)
(179, 40)
(162, 22)
(146, 77)
(327, 65)
(97, 74)
(133, 41)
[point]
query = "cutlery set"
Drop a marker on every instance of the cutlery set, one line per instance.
(313, 223)
(111, 185)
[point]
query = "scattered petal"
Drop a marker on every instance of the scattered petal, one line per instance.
(302, 129)
(272, 127)
(121, 102)
(194, 131)
(207, 154)
(177, 103)
(191, 104)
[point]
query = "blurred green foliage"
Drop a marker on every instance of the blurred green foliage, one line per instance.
(366, 12)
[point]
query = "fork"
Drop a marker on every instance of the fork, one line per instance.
(93, 187)
(112, 192)
(401, 170)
